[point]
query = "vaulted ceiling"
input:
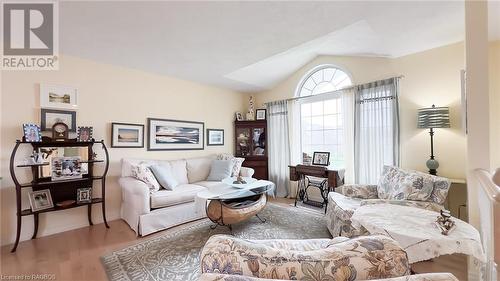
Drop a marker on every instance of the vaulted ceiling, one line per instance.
(251, 46)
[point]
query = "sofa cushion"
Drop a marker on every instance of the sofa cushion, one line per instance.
(179, 170)
(183, 193)
(144, 174)
(198, 168)
(441, 186)
(220, 170)
(399, 184)
(164, 176)
(237, 162)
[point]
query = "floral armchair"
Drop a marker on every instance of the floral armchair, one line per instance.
(339, 259)
(396, 186)
(418, 277)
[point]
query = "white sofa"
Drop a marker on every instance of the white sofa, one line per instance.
(147, 212)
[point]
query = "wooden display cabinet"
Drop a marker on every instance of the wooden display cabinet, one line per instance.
(251, 143)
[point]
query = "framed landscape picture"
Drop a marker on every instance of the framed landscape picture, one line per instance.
(58, 96)
(165, 134)
(215, 137)
(50, 117)
(127, 135)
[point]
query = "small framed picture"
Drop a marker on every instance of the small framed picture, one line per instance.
(40, 200)
(66, 168)
(51, 117)
(58, 96)
(321, 158)
(32, 133)
(126, 135)
(260, 114)
(84, 195)
(239, 116)
(85, 134)
(215, 137)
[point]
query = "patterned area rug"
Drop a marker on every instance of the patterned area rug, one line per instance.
(175, 255)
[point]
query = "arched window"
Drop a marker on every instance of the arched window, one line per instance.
(321, 117)
(323, 79)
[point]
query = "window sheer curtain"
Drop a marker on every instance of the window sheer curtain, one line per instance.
(279, 146)
(348, 96)
(376, 133)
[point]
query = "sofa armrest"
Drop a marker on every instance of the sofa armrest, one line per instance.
(246, 172)
(362, 191)
(135, 200)
(427, 205)
(358, 258)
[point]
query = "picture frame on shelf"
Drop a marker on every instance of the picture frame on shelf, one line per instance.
(64, 168)
(40, 200)
(58, 96)
(49, 117)
(215, 137)
(32, 132)
(239, 116)
(85, 134)
(321, 158)
(260, 114)
(127, 135)
(84, 195)
(167, 134)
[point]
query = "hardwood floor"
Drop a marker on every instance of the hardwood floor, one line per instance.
(75, 254)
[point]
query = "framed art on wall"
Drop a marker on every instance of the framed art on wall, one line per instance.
(165, 134)
(50, 117)
(127, 135)
(215, 137)
(58, 96)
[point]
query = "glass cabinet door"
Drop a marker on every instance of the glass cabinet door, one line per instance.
(243, 144)
(258, 141)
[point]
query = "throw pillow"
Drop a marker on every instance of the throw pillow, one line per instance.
(144, 174)
(399, 184)
(220, 170)
(237, 162)
(163, 175)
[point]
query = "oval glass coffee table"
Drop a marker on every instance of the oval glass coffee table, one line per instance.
(227, 205)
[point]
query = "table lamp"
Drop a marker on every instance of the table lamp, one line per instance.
(432, 118)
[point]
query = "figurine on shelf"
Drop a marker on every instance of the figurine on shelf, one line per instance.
(36, 157)
(239, 180)
(444, 222)
(251, 109)
(94, 156)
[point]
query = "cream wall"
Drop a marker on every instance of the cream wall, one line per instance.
(106, 94)
(431, 77)
(494, 65)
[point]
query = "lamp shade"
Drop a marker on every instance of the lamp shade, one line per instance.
(433, 117)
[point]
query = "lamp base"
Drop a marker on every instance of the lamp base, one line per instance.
(432, 164)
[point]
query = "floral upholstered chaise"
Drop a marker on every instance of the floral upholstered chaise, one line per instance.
(339, 259)
(417, 277)
(396, 186)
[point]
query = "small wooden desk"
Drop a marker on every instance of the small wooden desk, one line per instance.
(299, 173)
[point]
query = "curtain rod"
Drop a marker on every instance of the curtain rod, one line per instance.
(339, 90)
